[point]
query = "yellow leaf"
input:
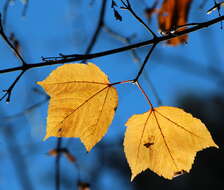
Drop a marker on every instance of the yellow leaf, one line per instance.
(165, 140)
(82, 103)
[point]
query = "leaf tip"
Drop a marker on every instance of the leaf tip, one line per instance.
(215, 145)
(40, 83)
(87, 146)
(88, 149)
(45, 138)
(133, 177)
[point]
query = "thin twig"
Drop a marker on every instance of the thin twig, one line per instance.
(25, 8)
(69, 58)
(8, 92)
(5, 11)
(127, 5)
(145, 61)
(57, 165)
(27, 110)
(217, 6)
(98, 28)
(5, 38)
(116, 35)
(126, 40)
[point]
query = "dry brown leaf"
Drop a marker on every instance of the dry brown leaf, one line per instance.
(53, 152)
(164, 140)
(172, 14)
(82, 103)
(69, 156)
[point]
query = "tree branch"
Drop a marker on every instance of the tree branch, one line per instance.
(69, 58)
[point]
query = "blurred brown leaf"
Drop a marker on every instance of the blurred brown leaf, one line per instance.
(172, 15)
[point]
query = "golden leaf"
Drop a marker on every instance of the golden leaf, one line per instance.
(82, 103)
(165, 140)
(173, 14)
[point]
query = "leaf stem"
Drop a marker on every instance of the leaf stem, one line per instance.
(144, 93)
(122, 82)
(145, 61)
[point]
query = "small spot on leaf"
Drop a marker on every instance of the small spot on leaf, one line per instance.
(147, 145)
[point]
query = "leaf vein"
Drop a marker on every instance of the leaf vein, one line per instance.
(164, 139)
(177, 125)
